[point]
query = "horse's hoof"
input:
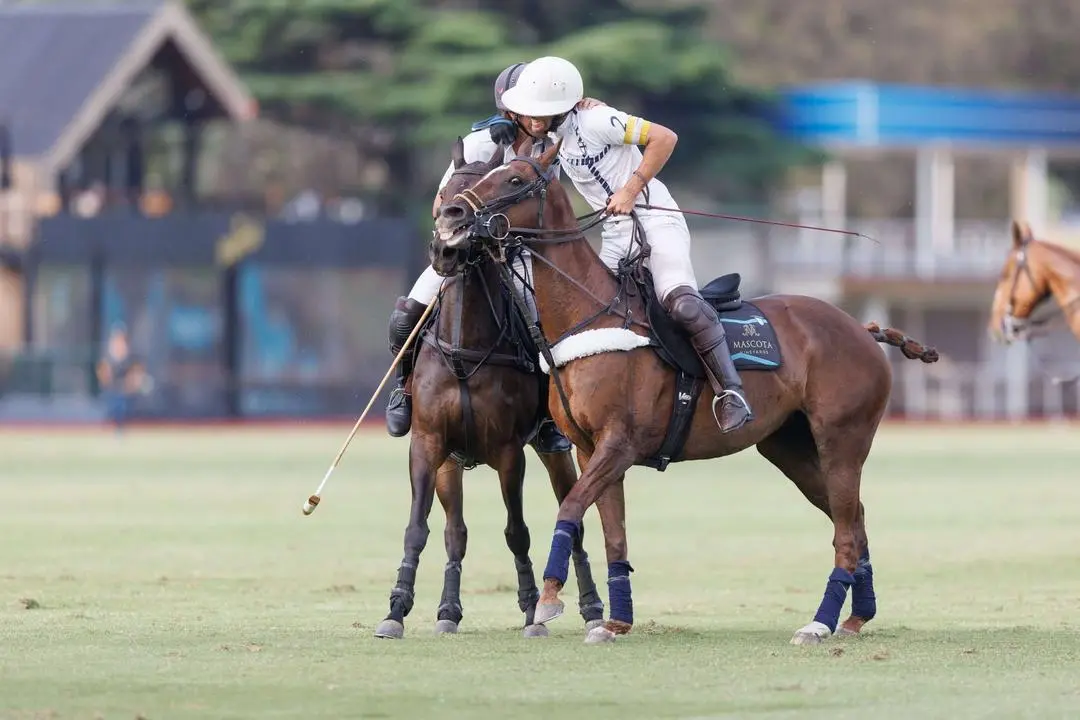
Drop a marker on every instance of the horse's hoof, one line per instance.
(599, 635)
(852, 626)
(445, 627)
(535, 631)
(390, 630)
(813, 634)
(599, 622)
(546, 612)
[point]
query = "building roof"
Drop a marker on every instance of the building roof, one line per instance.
(855, 114)
(63, 65)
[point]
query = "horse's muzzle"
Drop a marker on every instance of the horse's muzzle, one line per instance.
(1013, 328)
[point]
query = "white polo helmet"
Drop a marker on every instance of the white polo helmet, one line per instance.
(547, 86)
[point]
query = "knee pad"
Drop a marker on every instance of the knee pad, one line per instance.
(689, 309)
(403, 319)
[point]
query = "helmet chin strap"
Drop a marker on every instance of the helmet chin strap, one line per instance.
(556, 121)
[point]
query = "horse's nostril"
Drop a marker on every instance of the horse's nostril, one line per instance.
(453, 212)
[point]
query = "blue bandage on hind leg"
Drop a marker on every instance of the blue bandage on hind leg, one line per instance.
(828, 613)
(620, 598)
(863, 600)
(562, 544)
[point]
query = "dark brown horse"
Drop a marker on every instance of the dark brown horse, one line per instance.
(1034, 271)
(626, 392)
(476, 397)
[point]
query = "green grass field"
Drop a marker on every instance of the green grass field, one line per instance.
(170, 574)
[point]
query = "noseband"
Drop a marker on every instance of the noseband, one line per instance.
(489, 220)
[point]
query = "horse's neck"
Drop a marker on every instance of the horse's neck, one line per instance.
(1062, 268)
(466, 308)
(560, 302)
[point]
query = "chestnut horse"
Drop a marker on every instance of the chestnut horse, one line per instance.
(1034, 271)
(625, 384)
(476, 397)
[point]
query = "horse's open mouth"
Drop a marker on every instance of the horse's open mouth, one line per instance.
(449, 250)
(454, 238)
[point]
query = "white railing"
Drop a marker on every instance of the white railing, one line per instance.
(978, 391)
(978, 250)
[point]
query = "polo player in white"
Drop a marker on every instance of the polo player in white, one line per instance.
(600, 154)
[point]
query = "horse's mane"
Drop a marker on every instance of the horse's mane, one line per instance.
(1060, 251)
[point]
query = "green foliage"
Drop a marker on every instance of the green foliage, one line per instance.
(404, 77)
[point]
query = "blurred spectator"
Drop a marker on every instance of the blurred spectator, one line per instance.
(90, 201)
(121, 376)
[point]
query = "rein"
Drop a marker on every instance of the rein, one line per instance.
(490, 222)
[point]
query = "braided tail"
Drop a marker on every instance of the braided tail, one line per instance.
(912, 349)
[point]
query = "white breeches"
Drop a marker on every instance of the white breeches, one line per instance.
(669, 238)
(427, 285)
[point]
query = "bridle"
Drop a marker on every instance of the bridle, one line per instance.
(1017, 328)
(490, 222)
(1012, 326)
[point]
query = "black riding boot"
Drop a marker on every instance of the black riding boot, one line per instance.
(548, 439)
(403, 319)
(700, 321)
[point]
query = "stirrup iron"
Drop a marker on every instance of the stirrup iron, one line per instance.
(718, 399)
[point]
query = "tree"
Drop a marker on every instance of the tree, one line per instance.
(402, 78)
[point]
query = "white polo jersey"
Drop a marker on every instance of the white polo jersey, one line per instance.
(479, 147)
(599, 153)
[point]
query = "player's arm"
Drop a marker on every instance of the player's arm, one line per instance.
(608, 126)
(658, 142)
(438, 195)
(477, 146)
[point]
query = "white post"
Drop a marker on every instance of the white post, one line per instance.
(915, 376)
(935, 214)
(877, 310)
(1030, 189)
(1030, 203)
(834, 194)
(1017, 381)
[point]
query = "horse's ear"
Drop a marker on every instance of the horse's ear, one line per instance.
(497, 157)
(1021, 233)
(550, 154)
(458, 154)
(526, 148)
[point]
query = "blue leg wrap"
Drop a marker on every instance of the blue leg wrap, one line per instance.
(828, 613)
(863, 600)
(619, 595)
(562, 544)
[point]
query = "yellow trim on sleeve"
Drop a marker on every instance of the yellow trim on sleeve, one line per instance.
(645, 125)
(628, 137)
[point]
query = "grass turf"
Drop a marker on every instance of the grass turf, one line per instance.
(170, 574)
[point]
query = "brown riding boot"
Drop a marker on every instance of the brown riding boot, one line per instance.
(699, 320)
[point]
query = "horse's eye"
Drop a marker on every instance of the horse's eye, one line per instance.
(515, 181)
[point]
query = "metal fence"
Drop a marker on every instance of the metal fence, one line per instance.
(232, 316)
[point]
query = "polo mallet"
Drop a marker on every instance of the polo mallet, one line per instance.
(313, 501)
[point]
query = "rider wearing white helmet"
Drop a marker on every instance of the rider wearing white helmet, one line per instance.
(503, 128)
(600, 154)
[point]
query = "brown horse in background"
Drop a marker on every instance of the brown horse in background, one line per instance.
(1034, 271)
(817, 411)
(476, 397)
